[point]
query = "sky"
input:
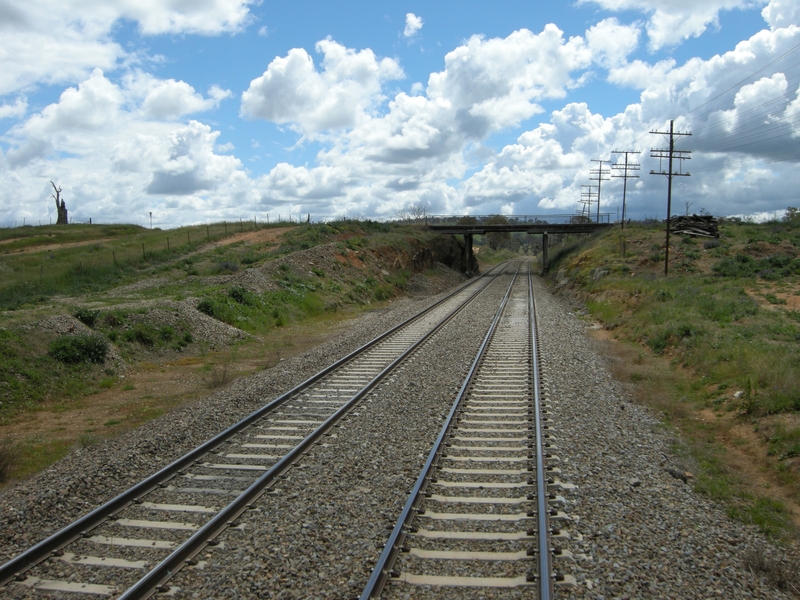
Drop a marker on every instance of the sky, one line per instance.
(209, 110)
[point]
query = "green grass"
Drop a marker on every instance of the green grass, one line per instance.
(121, 253)
(707, 320)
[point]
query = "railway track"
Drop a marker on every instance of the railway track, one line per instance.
(484, 513)
(131, 546)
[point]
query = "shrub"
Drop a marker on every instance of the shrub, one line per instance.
(76, 349)
(145, 334)
(383, 292)
(239, 294)
(206, 306)
(86, 316)
(112, 320)
(227, 266)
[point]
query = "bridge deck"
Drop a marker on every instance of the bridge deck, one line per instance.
(534, 228)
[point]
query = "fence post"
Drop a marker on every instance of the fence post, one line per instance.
(114, 255)
(167, 243)
(225, 223)
(241, 227)
(143, 255)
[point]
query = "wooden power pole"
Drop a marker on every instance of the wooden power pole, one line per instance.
(672, 155)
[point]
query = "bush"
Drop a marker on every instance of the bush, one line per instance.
(86, 316)
(206, 306)
(229, 267)
(76, 349)
(145, 334)
(239, 294)
(383, 292)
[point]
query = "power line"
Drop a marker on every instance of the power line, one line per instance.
(671, 154)
(736, 85)
(599, 174)
(626, 170)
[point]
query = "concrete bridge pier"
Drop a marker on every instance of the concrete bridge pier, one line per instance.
(544, 253)
(468, 254)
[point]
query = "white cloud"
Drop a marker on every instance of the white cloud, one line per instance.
(109, 152)
(168, 98)
(639, 74)
(413, 24)
(15, 110)
(672, 22)
(287, 183)
(782, 13)
(611, 43)
(739, 141)
(57, 41)
(291, 90)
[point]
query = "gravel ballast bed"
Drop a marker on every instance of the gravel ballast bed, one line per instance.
(316, 535)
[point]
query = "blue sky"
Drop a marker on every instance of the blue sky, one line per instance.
(233, 108)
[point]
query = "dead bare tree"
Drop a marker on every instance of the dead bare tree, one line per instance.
(62, 207)
(417, 212)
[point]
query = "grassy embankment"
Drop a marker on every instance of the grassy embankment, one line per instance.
(77, 269)
(715, 346)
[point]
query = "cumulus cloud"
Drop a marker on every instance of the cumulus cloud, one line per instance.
(782, 13)
(670, 23)
(286, 182)
(413, 25)
(611, 43)
(17, 109)
(740, 139)
(168, 98)
(73, 37)
(100, 132)
(291, 90)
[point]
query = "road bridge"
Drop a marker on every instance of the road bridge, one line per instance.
(531, 224)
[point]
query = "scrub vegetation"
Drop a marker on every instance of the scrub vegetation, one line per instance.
(715, 346)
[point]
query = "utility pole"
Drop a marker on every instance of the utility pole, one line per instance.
(671, 154)
(599, 178)
(587, 198)
(624, 171)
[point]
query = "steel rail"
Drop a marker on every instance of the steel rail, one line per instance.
(380, 573)
(542, 517)
(154, 579)
(44, 549)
